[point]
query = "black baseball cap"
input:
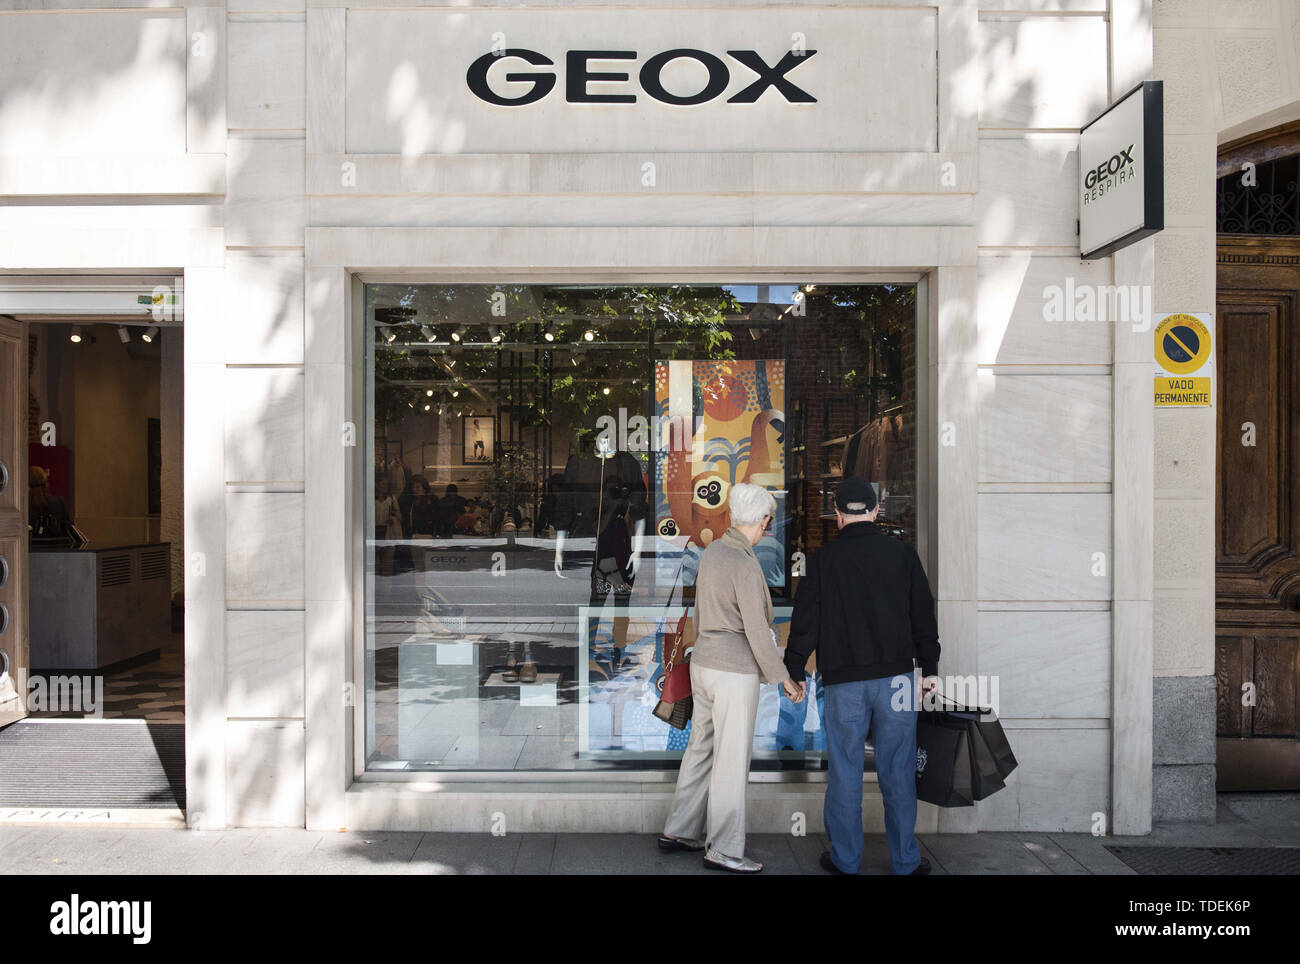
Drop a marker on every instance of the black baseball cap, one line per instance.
(855, 496)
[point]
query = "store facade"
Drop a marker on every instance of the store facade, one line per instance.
(803, 226)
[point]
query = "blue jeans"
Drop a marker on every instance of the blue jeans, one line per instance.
(852, 708)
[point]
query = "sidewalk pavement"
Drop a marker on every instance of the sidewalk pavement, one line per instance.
(1262, 820)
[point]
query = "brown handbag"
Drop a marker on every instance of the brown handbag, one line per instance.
(675, 701)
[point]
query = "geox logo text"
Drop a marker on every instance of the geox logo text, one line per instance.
(578, 74)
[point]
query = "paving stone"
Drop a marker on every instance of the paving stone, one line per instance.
(1053, 856)
(1091, 853)
(467, 853)
(983, 853)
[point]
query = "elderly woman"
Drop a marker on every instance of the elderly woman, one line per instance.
(734, 646)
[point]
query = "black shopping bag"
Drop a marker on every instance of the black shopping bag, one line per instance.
(986, 779)
(973, 739)
(943, 760)
(995, 738)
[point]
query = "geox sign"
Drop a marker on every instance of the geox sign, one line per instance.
(581, 71)
(1121, 173)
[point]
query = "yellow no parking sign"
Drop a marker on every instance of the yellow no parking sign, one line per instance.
(1184, 361)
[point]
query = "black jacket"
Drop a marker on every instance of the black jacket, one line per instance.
(865, 608)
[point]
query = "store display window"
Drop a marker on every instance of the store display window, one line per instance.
(549, 461)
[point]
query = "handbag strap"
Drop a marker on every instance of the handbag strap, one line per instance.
(677, 643)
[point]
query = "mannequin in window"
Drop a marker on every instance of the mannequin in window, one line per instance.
(594, 475)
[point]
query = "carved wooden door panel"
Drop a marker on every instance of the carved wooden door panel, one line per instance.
(1257, 544)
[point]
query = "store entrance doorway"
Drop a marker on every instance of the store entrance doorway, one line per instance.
(1257, 560)
(92, 705)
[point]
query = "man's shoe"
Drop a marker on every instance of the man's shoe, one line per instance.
(922, 870)
(736, 865)
(672, 844)
(828, 865)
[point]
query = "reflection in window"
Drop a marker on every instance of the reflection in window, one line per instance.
(549, 462)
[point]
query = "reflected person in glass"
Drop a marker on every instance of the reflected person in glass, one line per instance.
(734, 645)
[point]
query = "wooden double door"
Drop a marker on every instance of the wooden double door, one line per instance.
(1257, 543)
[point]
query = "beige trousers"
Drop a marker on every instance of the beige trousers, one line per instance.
(714, 774)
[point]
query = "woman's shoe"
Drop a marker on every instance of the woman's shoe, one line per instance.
(671, 844)
(736, 865)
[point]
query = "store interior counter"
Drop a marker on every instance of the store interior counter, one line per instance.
(95, 606)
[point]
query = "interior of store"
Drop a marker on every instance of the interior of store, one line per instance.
(549, 463)
(104, 509)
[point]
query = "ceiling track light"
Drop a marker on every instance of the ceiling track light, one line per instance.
(150, 334)
(124, 334)
(75, 337)
(389, 335)
(589, 335)
(549, 336)
(428, 333)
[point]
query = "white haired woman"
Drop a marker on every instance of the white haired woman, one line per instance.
(734, 646)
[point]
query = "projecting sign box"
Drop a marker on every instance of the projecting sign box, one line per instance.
(1121, 173)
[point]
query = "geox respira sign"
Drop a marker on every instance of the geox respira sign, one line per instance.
(611, 71)
(1121, 173)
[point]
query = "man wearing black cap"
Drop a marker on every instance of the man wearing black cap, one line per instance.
(865, 608)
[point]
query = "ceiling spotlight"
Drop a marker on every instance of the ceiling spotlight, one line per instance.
(589, 335)
(439, 409)
(150, 334)
(75, 337)
(456, 335)
(605, 390)
(427, 407)
(429, 392)
(390, 336)
(410, 404)
(429, 333)
(124, 334)
(549, 336)
(574, 360)
(455, 393)
(451, 363)
(496, 336)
